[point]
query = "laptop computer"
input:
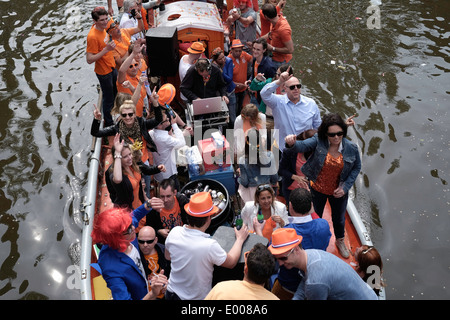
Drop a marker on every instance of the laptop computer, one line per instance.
(208, 105)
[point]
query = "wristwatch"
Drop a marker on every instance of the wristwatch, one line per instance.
(117, 156)
(274, 49)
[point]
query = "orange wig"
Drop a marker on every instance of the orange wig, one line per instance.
(109, 227)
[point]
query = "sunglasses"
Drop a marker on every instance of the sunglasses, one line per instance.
(286, 257)
(128, 231)
(264, 187)
(298, 86)
(134, 65)
(367, 250)
(146, 241)
(333, 134)
(124, 115)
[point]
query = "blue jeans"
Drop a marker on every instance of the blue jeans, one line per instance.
(338, 207)
(108, 84)
(277, 64)
(254, 100)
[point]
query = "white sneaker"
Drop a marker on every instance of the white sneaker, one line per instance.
(340, 244)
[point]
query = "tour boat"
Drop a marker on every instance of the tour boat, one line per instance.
(194, 21)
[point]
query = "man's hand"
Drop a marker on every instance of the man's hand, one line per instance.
(156, 203)
(111, 45)
(242, 234)
(225, 98)
(290, 139)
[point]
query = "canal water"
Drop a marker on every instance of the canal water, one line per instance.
(386, 61)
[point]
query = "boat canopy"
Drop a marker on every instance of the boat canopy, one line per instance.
(190, 14)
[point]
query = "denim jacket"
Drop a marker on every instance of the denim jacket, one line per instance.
(313, 166)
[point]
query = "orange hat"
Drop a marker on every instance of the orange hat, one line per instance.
(236, 44)
(166, 93)
(196, 47)
(283, 240)
(201, 205)
(111, 25)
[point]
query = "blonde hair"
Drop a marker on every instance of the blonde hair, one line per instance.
(121, 97)
(251, 113)
(127, 104)
(134, 154)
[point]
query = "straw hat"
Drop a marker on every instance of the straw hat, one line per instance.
(283, 240)
(236, 44)
(201, 205)
(196, 47)
(166, 93)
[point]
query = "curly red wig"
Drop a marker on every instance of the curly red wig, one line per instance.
(109, 227)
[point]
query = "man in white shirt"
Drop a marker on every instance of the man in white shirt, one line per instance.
(292, 113)
(193, 253)
(195, 52)
(168, 137)
(130, 17)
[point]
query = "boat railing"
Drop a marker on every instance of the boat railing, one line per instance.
(88, 211)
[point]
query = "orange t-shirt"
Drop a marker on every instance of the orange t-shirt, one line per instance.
(240, 67)
(135, 81)
(280, 34)
(135, 179)
(171, 218)
(328, 178)
(96, 42)
(153, 266)
(144, 18)
(266, 25)
(122, 46)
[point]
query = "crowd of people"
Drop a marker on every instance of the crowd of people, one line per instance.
(154, 245)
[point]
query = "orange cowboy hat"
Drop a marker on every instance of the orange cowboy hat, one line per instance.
(166, 93)
(236, 44)
(196, 47)
(283, 240)
(201, 205)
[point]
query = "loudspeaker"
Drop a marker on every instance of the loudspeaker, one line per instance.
(162, 51)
